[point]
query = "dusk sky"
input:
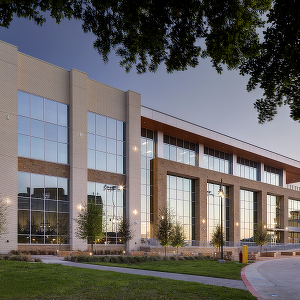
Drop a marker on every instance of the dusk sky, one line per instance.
(199, 95)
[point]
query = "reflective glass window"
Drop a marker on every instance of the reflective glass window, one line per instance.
(106, 144)
(38, 209)
(147, 154)
(50, 111)
(41, 124)
(248, 215)
(111, 199)
(179, 150)
(272, 175)
(217, 160)
(182, 210)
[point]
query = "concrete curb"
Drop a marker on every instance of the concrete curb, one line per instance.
(249, 286)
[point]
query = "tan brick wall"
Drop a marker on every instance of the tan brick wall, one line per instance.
(43, 167)
(164, 167)
(43, 79)
(9, 143)
(106, 100)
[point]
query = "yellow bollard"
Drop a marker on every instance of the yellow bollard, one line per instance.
(245, 254)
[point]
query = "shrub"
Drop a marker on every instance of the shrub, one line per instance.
(173, 258)
(37, 259)
(166, 258)
(114, 259)
(107, 252)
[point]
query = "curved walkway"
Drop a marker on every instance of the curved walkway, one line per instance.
(277, 278)
(231, 283)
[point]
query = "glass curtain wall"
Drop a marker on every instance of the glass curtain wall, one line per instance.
(217, 160)
(43, 128)
(43, 209)
(248, 211)
(214, 209)
(273, 217)
(181, 201)
(106, 144)
(112, 200)
(272, 175)
(147, 154)
(179, 150)
(247, 168)
(294, 220)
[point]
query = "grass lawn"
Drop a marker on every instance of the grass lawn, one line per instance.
(210, 268)
(22, 280)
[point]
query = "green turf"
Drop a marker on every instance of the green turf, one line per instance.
(22, 280)
(210, 268)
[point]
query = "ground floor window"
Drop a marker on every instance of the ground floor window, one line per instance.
(248, 214)
(112, 200)
(294, 220)
(214, 209)
(181, 201)
(43, 209)
(273, 218)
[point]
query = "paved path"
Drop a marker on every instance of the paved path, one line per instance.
(238, 284)
(274, 279)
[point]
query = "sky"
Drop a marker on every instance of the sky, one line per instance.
(199, 95)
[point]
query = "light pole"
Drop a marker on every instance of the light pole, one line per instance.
(221, 194)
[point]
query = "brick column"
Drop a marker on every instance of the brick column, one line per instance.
(133, 167)
(78, 151)
(9, 144)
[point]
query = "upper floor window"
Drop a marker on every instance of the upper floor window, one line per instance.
(43, 128)
(179, 150)
(217, 160)
(106, 143)
(247, 168)
(272, 175)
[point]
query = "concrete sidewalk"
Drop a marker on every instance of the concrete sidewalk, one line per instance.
(238, 284)
(274, 279)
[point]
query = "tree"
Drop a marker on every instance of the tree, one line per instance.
(147, 33)
(178, 238)
(164, 228)
(90, 223)
(261, 236)
(276, 67)
(178, 33)
(216, 237)
(125, 231)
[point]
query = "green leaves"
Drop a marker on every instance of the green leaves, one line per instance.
(90, 222)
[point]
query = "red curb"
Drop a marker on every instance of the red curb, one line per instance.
(249, 286)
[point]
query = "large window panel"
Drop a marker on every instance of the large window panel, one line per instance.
(39, 212)
(38, 128)
(106, 144)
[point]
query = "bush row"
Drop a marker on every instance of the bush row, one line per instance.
(131, 259)
(33, 252)
(20, 257)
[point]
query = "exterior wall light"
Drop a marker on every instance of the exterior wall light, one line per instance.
(237, 223)
(203, 221)
(79, 133)
(286, 228)
(135, 148)
(135, 212)
(7, 200)
(7, 117)
(80, 207)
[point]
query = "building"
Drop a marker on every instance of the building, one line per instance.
(65, 137)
